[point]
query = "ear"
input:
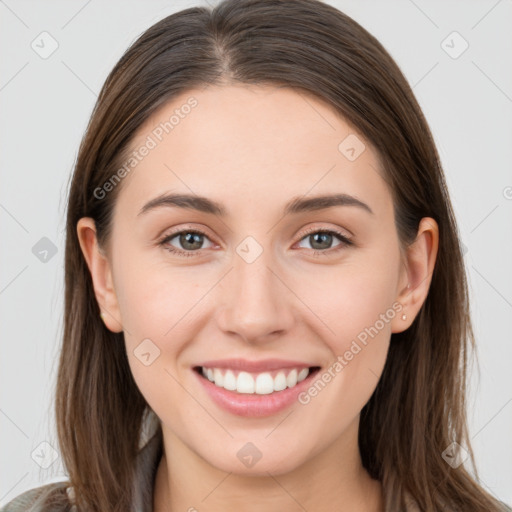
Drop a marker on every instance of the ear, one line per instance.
(416, 275)
(101, 274)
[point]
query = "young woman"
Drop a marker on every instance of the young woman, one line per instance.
(266, 306)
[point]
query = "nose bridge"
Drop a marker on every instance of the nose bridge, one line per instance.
(255, 303)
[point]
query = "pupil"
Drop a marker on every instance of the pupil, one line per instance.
(323, 237)
(190, 238)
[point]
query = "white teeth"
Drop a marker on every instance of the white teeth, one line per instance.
(245, 383)
(229, 381)
(280, 382)
(302, 374)
(261, 384)
(264, 384)
(291, 380)
(218, 377)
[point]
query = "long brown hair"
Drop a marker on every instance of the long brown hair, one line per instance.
(418, 408)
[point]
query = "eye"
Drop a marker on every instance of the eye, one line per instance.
(321, 240)
(190, 239)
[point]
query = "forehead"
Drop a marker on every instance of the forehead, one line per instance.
(251, 145)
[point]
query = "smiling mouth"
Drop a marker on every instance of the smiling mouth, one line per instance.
(260, 383)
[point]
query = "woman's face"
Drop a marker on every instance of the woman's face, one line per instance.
(261, 281)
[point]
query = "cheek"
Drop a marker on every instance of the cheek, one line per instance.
(349, 300)
(154, 298)
(157, 308)
(357, 308)
(353, 309)
(154, 304)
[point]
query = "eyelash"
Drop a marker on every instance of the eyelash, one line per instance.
(345, 242)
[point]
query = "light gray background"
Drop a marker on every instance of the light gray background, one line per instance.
(45, 106)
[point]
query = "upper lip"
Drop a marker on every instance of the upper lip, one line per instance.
(255, 366)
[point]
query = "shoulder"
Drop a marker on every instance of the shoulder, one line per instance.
(49, 497)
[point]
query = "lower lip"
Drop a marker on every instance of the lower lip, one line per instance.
(251, 404)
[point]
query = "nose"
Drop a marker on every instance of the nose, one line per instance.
(255, 304)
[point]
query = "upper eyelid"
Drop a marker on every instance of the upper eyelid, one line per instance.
(329, 230)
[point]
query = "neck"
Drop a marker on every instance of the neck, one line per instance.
(332, 480)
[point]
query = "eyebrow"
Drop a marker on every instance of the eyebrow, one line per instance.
(296, 205)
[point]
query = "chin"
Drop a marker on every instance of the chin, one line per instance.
(248, 460)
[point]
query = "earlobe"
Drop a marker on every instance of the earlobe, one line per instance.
(419, 266)
(101, 274)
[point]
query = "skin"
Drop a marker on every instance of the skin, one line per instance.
(269, 145)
